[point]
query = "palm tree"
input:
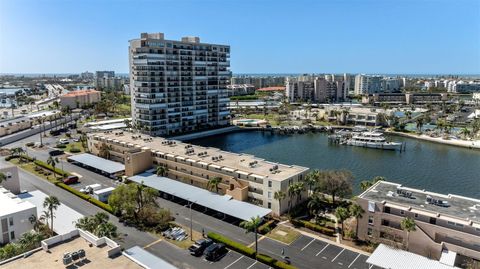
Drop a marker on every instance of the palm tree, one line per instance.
(356, 211)
(162, 170)
(279, 196)
(51, 203)
(213, 183)
(419, 122)
(465, 132)
(104, 151)
(251, 226)
(408, 225)
(312, 179)
(316, 203)
(365, 184)
(342, 214)
(52, 161)
(30, 239)
(107, 229)
(36, 224)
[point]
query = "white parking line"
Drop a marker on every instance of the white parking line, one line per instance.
(307, 244)
(322, 250)
(354, 260)
(370, 266)
(338, 254)
(252, 265)
(234, 262)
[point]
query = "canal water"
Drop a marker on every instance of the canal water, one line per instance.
(424, 165)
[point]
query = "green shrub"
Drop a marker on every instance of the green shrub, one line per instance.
(29, 144)
(73, 191)
(232, 244)
(314, 227)
(49, 167)
(75, 150)
(266, 227)
(282, 265)
(265, 259)
(102, 205)
(60, 146)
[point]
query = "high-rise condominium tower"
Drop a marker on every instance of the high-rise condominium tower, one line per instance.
(178, 86)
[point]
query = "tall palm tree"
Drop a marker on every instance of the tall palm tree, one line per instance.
(408, 225)
(107, 229)
(279, 196)
(356, 211)
(104, 151)
(342, 214)
(311, 180)
(465, 132)
(53, 162)
(251, 226)
(51, 203)
(213, 183)
(419, 122)
(162, 170)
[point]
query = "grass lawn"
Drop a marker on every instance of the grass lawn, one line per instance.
(77, 145)
(283, 234)
(30, 167)
(185, 243)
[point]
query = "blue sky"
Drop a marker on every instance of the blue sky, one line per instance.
(266, 36)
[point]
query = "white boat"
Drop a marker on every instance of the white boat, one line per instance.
(372, 140)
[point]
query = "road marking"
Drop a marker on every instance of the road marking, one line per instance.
(338, 255)
(354, 260)
(153, 243)
(252, 265)
(322, 250)
(340, 263)
(234, 262)
(324, 257)
(259, 239)
(370, 266)
(307, 244)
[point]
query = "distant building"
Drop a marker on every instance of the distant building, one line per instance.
(366, 84)
(86, 75)
(318, 89)
(14, 216)
(106, 80)
(300, 89)
(259, 81)
(391, 85)
(404, 98)
(178, 86)
(78, 99)
(467, 87)
(272, 89)
(240, 89)
(446, 224)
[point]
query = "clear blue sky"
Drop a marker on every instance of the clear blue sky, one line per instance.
(266, 36)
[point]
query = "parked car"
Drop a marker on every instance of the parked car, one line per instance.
(70, 180)
(90, 188)
(63, 141)
(199, 246)
(76, 139)
(215, 252)
(55, 152)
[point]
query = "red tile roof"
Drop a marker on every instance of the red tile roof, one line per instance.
(270, 89)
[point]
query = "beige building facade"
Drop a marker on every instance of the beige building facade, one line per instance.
(244, 177)
(443, 222)
(77, 99)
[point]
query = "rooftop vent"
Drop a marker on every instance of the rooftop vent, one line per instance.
(438, 202)
(404, 193)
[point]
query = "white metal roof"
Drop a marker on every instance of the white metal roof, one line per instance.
(10, 203)
(220, 203)
(102, 164)
(388, 257)
(65, 217)
(146, 259)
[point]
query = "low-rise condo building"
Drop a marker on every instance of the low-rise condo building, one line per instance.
(244, 177)
(77, 99)
(404, 98)
(445, 224)
(15, 216)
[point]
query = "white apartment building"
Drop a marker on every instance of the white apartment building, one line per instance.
(12, 181)
(15, 216)
(366, 84)
(178, 86)
(321, 89)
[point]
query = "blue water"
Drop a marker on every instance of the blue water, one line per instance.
(424, 165)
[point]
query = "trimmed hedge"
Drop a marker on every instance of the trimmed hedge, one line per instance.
(49, 167)
(314, 227)
(60, 146)
(75, 150)
(249, 252)
(232, 244)
(266, 227)
(86, 197)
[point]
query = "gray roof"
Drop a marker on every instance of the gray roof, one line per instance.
(146, 259)
(221, 203)
(387, 257)
(102, 164)
(458, 206)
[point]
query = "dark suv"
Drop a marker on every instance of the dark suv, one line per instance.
(215, 252)
(199, 246)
